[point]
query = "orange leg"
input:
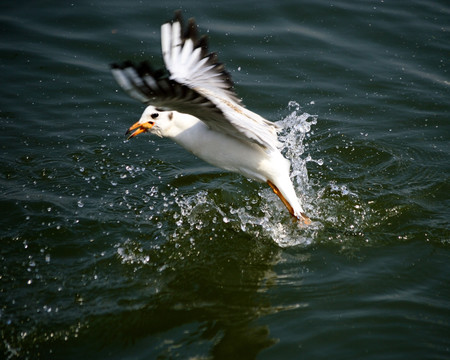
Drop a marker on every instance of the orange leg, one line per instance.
(304, 218)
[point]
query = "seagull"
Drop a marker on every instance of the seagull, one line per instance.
(192, 102)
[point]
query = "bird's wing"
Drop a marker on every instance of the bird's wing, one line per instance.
(187, 59)
(194, 83)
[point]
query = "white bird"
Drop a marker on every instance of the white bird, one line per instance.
(193, 103)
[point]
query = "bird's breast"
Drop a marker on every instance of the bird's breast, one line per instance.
(225, 151)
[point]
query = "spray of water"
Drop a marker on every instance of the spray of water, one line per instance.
(263, 216)
(260, 214)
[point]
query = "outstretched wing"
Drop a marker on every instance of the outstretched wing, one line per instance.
(186, 57)
(194, 83)
(150, 86)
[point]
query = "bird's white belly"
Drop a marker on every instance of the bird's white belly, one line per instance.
(228, 152)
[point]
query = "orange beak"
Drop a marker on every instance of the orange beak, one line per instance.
(140, 128)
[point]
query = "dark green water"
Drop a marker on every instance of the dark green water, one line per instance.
(137, 250)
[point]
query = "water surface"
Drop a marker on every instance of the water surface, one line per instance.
(116, 249)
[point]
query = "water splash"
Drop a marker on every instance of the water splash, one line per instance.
(132, 252)
(296, 128)
(263, 216)
(335, 208)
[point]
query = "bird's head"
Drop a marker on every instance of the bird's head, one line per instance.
(153, 120)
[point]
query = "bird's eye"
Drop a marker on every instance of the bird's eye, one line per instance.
(154, 115)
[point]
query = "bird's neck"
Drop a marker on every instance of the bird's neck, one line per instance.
(186, 131)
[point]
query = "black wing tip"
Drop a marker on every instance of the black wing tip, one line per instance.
(121, 66)
(115, 66)
(144, 68)
(191, 31)
(177, 17)
(141, 68)
(202, 42)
